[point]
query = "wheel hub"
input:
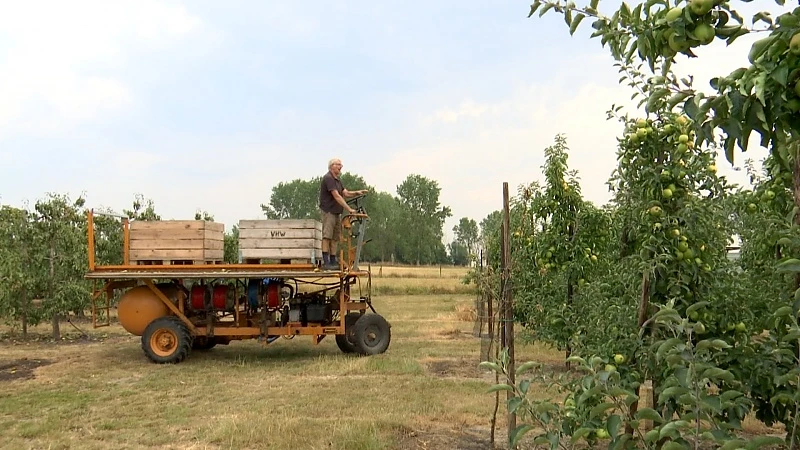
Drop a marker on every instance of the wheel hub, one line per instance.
(164, 342)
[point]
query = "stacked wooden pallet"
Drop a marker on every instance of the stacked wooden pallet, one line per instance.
(172, 242)
(288, 240)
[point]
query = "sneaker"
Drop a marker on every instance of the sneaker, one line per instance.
(331, 266)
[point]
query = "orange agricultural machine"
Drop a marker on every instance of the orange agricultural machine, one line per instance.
(179, 296)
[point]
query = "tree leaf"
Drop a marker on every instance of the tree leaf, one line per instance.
(577, 21)
(789, 266)
(668, 345)
(499, 387)
(649, 414)
(759, 47)
(491, 366)
(513, 404)
(614, 422)
(517, 434)
(675, 99)
(761, 441)
(534, 6)
(695, 306)
(791, 336)
(781, 75)
(733, 444)
(600, 409)
(715, 373)
(526, 367)
(580, 433)
(655, 96)
(672, 445)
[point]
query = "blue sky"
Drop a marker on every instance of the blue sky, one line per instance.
(207, 105)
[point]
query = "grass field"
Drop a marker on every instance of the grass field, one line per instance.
(425, 392)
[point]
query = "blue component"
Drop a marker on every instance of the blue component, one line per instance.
(252, 293)
(253, 289)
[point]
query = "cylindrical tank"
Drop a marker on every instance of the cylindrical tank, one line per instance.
(139, 306)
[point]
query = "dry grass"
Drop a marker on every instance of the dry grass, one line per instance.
(391, 271)
(426, 391)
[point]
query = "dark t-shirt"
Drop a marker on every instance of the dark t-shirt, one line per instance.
(326, 201)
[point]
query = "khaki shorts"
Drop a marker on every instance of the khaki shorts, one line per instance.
(331, 226)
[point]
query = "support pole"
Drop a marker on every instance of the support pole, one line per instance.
(508, 305)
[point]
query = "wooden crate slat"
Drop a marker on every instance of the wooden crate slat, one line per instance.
(280, 253)
(287, 233)
(167, 254)
(174, 240)
(152, 234)
(279, 224)
(198, 254)
(279, 243)
(176, 244)
(176, 225)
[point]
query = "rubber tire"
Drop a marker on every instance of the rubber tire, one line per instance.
(345, 342)
(203, 343)
(372, 323)
(179, 329)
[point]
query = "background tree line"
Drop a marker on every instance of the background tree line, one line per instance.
(406, 228)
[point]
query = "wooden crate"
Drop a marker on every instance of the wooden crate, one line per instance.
(287, 239)
(176, 242)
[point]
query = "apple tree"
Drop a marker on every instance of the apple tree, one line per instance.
(17, 279)
(558, 239)
(60, 225)
(762, 96)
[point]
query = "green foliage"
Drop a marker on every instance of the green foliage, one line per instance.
(143, 209)
(466, 234)
(697, 404)
(299, 199)
(60, 226)
(422, 218)
(203, 215)
(459, 255)
(17, 280)
(416, 208)
(383, 228)
(763, 96)
(231, 246)
(108, 238)
(558, 240)
(674, 215)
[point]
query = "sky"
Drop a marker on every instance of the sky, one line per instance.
(207, 105)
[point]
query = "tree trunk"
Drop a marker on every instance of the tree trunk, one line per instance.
(56, 328)
(570, 294)
(24, 313)
(644, 306)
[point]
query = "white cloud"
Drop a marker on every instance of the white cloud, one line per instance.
(65, 61)
(471, 148)
(468, 109)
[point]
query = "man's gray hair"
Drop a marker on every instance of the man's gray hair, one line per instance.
(333, 161)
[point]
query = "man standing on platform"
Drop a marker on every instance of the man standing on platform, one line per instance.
(332, 203)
